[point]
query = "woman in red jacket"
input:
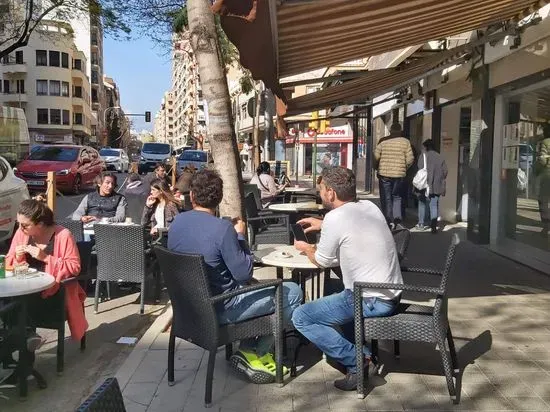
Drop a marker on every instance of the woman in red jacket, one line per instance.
(49, 248)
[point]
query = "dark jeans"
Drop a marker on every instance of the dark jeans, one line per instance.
(391, 192)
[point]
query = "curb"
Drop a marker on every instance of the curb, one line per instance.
(133, 361)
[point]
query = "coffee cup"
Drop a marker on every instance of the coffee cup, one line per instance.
(128, 220)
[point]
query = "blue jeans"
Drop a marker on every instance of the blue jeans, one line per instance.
(257, 303)
(316, 320)
(423, 202)
(391, 193)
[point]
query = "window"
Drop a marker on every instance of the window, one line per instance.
(65, 89)
(20, 84)
(65, 60)
(42, 116)
(77, 64)
(95, 60)
(7, 86)
(66, 117)
(41, 87)
(77, 118)
(95, 99)
(55, 116)
(77, 91)
(41, 58)
(54, 58)
(95, 77)
(19, 57)
(55, 88)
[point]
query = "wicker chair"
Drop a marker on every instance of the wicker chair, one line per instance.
(402, 237)
(195, 318)
(55, 319)
(410, 322)
(121, 256)
(75, 227)
(253, 188)
(265, 229)
(106, 398)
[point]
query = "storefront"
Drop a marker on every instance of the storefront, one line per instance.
(334, 148)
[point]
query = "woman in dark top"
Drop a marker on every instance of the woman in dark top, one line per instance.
(160, 208)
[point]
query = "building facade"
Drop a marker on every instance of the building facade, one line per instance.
(47, 79)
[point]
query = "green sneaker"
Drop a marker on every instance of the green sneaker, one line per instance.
(248, 363)
(269, 363)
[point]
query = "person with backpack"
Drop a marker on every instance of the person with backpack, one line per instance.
(430, 182)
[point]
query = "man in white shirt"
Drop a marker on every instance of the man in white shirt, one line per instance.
(354, 235)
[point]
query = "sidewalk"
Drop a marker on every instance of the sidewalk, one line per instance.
(499, 317)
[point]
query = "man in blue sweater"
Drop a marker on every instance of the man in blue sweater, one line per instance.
(230, 265)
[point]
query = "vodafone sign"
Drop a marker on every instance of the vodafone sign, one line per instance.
(334, 132)
(338, 134)
(311, 132)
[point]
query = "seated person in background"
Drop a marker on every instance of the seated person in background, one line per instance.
(103, 203)
(355, 235)
(160, 207)
(136, 192)
(230, 265)
(181, 190)
(136, 186)
(50, 248)
(160, 172)
(266, 183)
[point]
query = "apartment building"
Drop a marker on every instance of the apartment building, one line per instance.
(48, 79)
(115, 117)
(189, 114)
(163, 128)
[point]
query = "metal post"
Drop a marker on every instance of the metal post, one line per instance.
(296, 151)
(51, 190)
(314, 160)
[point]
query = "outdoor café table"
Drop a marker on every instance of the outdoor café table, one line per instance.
(20, 289)
(297, 189)
(296, 207)
(287, 256)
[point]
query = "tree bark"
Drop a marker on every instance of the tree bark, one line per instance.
(223, 143)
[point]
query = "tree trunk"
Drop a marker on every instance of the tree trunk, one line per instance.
(223, 143)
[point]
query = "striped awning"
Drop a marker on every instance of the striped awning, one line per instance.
(282, 38)
(374, 83)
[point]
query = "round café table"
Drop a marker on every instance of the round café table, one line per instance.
(20, 289)
(291, 189)
(287, 256)
(296, 207)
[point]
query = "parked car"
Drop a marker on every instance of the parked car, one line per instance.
(193, 158)
(115, 159)
(13, 191)
(152, 154)
(75, 167)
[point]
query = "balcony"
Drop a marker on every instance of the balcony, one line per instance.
(14, 97)
(14, 68)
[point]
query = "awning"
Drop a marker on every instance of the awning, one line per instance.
(376, 82)
(291, 37)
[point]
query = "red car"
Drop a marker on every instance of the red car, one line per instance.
(75, 167)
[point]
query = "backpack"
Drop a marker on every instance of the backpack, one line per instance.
(420, 180)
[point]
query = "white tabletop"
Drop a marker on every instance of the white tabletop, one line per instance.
(11, 286)
(296, 207)
(297, 189)
(285, 256)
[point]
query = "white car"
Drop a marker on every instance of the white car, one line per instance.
(115, 159)
(13, 191)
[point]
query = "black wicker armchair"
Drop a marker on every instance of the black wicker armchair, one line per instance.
(265, 229)
(411, 322)
(195, 318)
(55, 319)
(121, 256)
(106, 398)
(75, 227)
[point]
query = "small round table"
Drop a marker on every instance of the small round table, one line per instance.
(296, 207)
(285, 256)
(19, 288)
(291, 189)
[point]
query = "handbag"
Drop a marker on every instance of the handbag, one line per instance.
(420, 180)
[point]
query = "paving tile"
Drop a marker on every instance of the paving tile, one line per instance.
(344, 401)
(310, 400)
(544, 364)
(524, 366)
(132, 406)
(149, 371)
(140, 392)
(445, 404)
(515, 389)
(188, 359)
(528, 404)
(383, 403)
(169, 398)
(424, 401)
(492, 402)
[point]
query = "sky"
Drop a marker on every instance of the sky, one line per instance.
(141, 71)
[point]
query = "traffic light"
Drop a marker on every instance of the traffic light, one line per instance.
(148, 117)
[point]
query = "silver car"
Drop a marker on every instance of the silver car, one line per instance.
(115, 159)
(13, 191)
